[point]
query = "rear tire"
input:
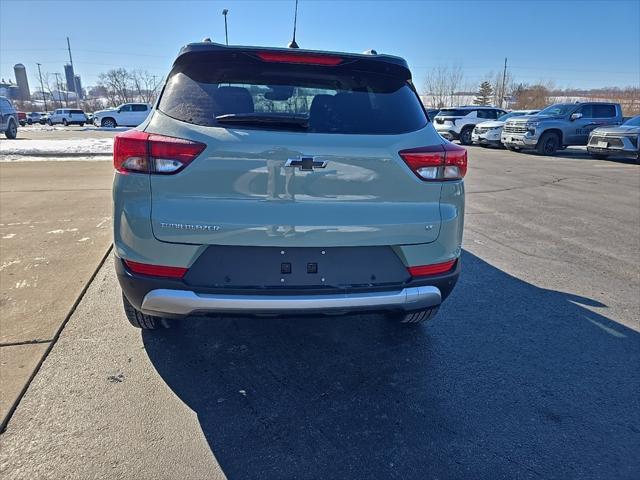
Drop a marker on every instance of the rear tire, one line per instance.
(548, 144)
(420, 316)
(12, 130)
(82, 124)
(141, 320)
(465, 136)
(64, 122)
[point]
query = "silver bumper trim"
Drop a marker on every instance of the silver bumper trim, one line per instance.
(185, 302)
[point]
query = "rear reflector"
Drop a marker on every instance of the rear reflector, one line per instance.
(155, 270)
(136, 151)
(437, 162)
(435, 269)
(286, 57)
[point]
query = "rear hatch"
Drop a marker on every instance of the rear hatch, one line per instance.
(448, 116)
(300, 149)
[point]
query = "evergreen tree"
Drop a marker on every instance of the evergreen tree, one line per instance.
(484, 95)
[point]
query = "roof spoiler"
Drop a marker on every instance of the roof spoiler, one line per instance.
(381, 63)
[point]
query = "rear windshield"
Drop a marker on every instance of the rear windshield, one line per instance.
(311, 98)
(453, 112)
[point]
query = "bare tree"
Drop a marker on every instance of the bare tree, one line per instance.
(442, 85)
(532, 96)
(145, 85)
(117, 83)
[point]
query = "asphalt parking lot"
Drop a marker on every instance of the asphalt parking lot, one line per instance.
(530, 370)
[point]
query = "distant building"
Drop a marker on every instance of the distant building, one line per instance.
(21, 80)
(70, 77)
(78, 85)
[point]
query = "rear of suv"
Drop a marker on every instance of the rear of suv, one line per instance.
(67, 116)
(276, 181)
(458, 123)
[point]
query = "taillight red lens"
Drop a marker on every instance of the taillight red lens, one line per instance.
(155, 270)
(435, 269)
(286, 57)
(130, 151)
(437, 162)
(136, 151)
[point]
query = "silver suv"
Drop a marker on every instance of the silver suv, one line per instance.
(278, 181)
(458, 123)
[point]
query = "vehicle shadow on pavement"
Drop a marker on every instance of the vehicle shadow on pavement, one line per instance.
(510, 380)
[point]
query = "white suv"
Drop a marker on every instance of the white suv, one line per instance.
(458, 123)
(127, 115)
(67, 116)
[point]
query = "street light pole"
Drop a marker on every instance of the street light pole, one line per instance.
(226, 33)
(42, 88)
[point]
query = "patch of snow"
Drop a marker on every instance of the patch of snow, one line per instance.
(8, 235)
(8, 264)
(75, 146)
(84, 239)
(62, 231)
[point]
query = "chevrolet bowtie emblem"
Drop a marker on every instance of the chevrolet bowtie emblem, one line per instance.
(306, 164)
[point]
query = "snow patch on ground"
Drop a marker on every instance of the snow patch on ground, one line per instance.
(17, 149)
(88, 128)
(92, 146)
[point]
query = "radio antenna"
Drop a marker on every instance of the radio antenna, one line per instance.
(293, 43)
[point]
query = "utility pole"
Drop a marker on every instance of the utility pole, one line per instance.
(42, 88)
(74, 75)
(226, 33)
(504, 80)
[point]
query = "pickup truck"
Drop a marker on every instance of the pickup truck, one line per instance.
(559, 126)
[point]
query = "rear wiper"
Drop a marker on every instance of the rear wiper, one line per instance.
(298, 121)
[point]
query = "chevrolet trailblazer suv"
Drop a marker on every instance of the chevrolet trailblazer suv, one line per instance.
(558, 126)
(279, 181)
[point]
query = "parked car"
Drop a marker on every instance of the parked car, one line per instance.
(22, 118)
(559, 125)
(313, 183)
(623, 140)
(458, 123)
(35, 117)
(488, 133)
(67, 116)
(8, 118)
(127, 115)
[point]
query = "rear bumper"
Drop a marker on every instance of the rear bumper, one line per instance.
(449, 134)
(174, 298)
(186, 302)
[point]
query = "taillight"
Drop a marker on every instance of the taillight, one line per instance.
(136, 151)
(155, 270)
(434, 269)
(437, 162)
(306, 58)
